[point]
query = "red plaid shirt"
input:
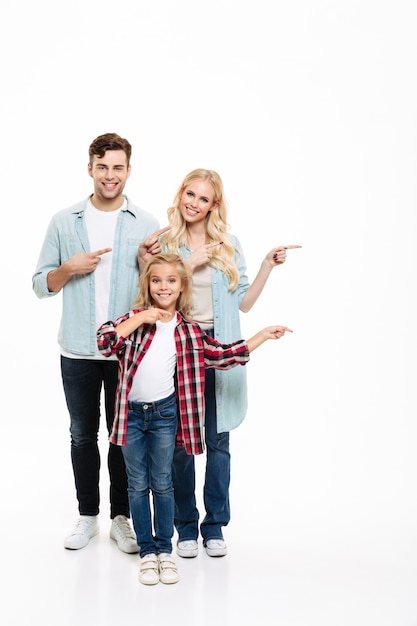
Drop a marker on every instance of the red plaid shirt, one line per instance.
(196, 351)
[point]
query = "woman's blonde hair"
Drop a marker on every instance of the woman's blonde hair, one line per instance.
(144, 299)
(223, 257)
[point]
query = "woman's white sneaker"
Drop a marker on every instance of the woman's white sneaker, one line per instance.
(216, 547)
(149, 572)
(168, 572)
(187, 549)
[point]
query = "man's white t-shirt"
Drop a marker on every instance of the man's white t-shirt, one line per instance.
(101, 226)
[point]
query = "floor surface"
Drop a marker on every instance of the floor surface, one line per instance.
(264, 580)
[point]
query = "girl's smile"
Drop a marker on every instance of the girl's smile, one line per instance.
(165, 286)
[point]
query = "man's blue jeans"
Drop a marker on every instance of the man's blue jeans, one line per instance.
(83, 380)
(217, 479)
(148, 453)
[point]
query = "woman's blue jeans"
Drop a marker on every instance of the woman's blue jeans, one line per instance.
(83, 380)
(217, 479)
(148, 453)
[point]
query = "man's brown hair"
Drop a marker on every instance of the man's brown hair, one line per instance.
(109, 141)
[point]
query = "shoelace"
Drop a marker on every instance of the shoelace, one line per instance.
(82, 525)
(124, 529)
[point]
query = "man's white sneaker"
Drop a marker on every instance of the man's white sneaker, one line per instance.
(187, 549)
(149, 572)
(86, 528)
(168, 572)
(124, 535)
(216, 547)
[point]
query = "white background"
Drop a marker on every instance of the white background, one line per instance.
(307, 109)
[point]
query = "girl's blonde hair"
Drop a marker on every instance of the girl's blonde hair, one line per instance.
(144, 299)
(223, 257)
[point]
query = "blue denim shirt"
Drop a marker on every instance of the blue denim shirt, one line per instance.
(231, 385)
(67, 235)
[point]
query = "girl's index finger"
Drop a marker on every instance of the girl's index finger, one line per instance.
(291, 247)
(215, 243)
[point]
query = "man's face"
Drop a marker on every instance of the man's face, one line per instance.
(109, 174)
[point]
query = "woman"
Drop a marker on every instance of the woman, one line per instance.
(199, 234)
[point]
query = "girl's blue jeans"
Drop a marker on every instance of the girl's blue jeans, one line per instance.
(148, 454)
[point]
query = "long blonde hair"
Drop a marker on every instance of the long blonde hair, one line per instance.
(223, 257)
(144, 299)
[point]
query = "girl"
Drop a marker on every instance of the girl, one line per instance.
(162, 359)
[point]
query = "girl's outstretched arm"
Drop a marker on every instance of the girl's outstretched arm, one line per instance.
(271, 332)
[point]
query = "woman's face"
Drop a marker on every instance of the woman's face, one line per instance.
(196, 201)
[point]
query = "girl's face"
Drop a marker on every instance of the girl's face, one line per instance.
(196, 201)
(165, 286)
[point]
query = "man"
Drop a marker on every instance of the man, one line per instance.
(90, 252)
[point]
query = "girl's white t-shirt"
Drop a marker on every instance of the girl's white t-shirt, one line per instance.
(154, 378)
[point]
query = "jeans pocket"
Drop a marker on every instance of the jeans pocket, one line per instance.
(168, 412)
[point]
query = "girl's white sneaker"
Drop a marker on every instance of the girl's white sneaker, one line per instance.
(168, 572)
(149, 573)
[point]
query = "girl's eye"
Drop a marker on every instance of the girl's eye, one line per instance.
(155, 280)
(190, 194)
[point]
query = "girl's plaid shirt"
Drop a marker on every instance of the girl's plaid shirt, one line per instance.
(196, 351)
